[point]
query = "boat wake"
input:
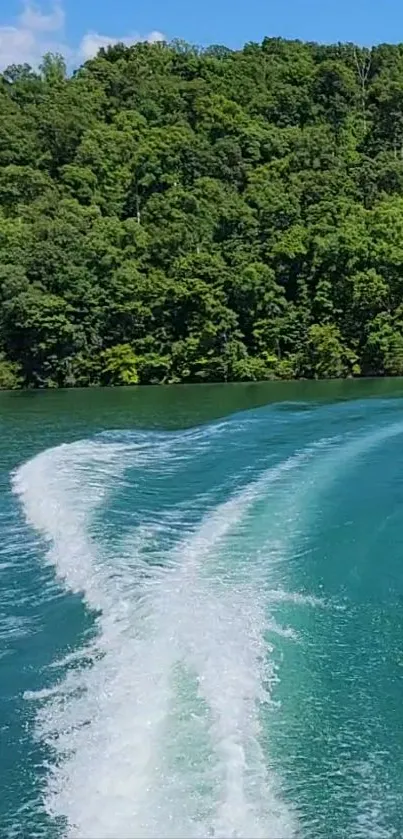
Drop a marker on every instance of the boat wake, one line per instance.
(155, 728)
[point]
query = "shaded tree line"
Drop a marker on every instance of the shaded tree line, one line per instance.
(175, 214)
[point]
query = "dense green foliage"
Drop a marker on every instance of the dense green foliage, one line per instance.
(169, 214)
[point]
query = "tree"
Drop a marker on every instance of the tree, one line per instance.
(170, 213)
(119, 366)
(326, 357)
(53, 68)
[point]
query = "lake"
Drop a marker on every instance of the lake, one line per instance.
(201, 611)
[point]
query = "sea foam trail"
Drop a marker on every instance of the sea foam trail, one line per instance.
(116, 768)
(157, 733)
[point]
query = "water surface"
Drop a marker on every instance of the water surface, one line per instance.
(201, 612)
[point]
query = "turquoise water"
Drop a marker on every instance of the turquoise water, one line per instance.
(201, 614)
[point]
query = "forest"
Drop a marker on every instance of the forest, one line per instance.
(176, 214)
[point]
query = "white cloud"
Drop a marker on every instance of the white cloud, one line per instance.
(93, 41)
(33, 20)
(36, 33)
(155, 36)
(16, 46)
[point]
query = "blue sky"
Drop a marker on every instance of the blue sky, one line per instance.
(78, 26)
(235, 21)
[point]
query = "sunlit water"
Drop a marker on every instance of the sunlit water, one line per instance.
(202, 630)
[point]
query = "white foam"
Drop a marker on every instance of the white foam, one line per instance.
(108, 722)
